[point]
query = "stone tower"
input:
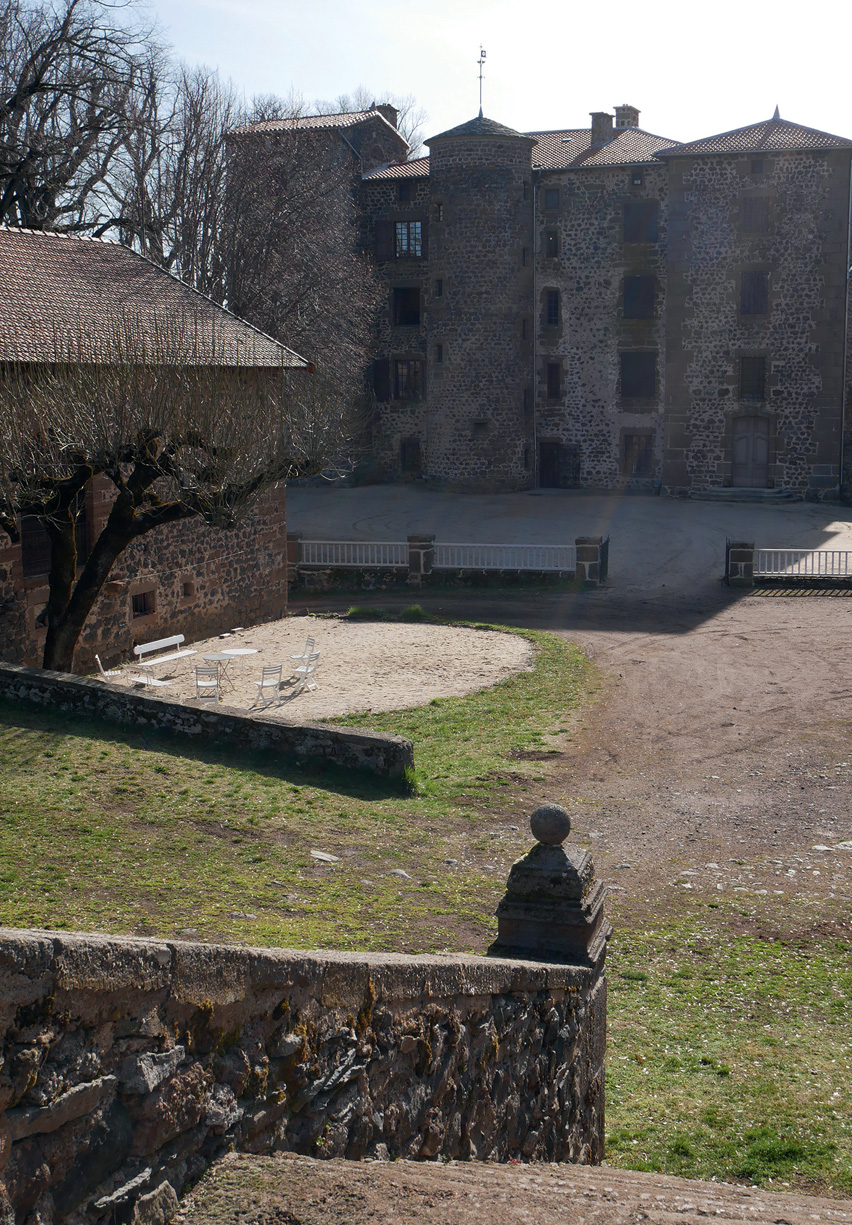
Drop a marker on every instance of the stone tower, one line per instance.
(480, 318)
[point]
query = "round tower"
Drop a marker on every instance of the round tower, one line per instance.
(480, 321)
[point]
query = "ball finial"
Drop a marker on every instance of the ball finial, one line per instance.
(550, 824)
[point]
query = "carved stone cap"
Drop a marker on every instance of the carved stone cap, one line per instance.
(553, 906)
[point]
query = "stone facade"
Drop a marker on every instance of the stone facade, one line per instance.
(199, 581)
(129, 1065)
(580, 316)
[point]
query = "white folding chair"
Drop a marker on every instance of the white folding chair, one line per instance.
(303, 675)
(106, 673)
(269, 685)
(309, 646)
(207, 682)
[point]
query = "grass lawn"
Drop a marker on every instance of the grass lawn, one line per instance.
(729, 1053)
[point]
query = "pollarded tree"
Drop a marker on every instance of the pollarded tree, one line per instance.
(177, 426)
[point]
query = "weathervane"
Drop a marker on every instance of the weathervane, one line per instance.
(480, 61)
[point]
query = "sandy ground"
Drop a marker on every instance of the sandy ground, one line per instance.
(362, 665)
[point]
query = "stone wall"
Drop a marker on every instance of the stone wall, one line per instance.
(801, 335)
(203, 581)
(129, 1065)
(591, 418)
(351, 748)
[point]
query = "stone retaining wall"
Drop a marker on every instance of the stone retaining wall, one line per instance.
(129, 1065)
(351, 747)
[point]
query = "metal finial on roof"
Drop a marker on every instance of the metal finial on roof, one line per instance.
(777, 114)
(480, 61)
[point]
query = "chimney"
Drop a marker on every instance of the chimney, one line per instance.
(390, 112)
(626, 117)
(601, 128)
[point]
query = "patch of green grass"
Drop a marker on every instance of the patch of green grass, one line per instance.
(366, 612)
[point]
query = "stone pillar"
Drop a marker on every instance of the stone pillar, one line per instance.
(553, 906)
(421, 555)
(294, 554)
(589, 559)
(739, 563)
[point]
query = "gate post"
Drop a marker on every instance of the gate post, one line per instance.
(739, 563)
(421, 556)
(589, 567)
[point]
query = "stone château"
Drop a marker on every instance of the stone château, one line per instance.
(607, 308)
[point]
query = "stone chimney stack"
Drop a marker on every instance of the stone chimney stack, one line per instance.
(390, 112)
(553, 906)
(626, 117)
(601, 127)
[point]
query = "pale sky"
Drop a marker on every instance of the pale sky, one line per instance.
(693, 70)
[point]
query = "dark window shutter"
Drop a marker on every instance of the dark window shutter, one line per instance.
(381, 379)
(384, 240)
(424, 231)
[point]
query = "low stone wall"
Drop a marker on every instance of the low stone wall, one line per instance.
(353, 748)
(319, 579)
(129, 1065)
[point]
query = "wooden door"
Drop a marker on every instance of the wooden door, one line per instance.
(549, 454)
(751, 453)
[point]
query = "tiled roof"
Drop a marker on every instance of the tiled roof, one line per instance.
(312, 123)
(85, 297)
(572, 149)
(416, 169)
(479, 127)
(771, 136)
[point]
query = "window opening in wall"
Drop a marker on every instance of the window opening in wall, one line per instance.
(526, 458)
(551, 244)
(551, 308)
(551, 197)
(756, 214)
(639, 294)
(188, 589)
(35, 542)
(409, 455)
(404, 195)
(757, 165)
(637, 177)
(408, 379)
(638, 455)
(480, 429)
(439, 353)
(408, 240)
(554, 380)
(439, 211)
(640, 220)
(526, 190)
(143, 604)
(524, 256)
(527, 401)
(406, 307)
(439, 287)
(753, 378)
(754, 293)
(638, 375)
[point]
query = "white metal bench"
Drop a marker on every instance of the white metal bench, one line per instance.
(162, 644)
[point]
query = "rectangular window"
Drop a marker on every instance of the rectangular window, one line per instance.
(640, 220)
(754, 293)
(551, 308)
(407, 379)
(408, 236)
(439, 211)
(551, 197)
(439, 287)
(756, 214)
(404, 193)
(554, 380)
(35, 542)
(638, 455)
(752, 378)
(524, 256)
(527, 404)
(406, 307)
(551, 244)
(639, 294)
(143, 604)
(757, 165)
(439, 353)
(637, 177)
(638, 376)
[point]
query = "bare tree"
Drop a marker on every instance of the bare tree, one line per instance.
(66, 75)
(176, 432)
(410, 119)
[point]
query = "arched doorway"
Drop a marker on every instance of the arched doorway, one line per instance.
(750, 468)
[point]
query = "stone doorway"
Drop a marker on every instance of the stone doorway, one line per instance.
(750, 468)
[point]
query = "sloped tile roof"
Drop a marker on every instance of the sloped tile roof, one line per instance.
(771, 136)
(479, 126)
(572, 149)
(316, 123)
(416, 169)
(87, 299)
